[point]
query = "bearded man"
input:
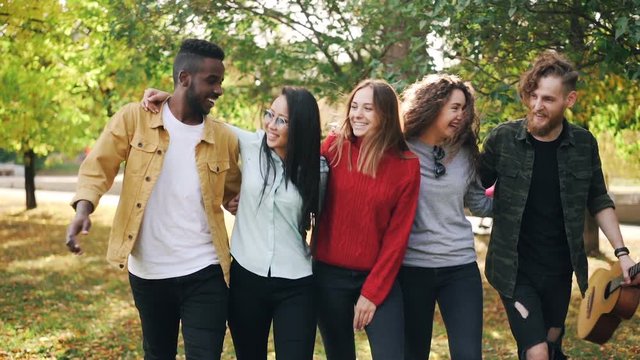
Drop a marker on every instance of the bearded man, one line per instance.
(547, 172)
(168, 230)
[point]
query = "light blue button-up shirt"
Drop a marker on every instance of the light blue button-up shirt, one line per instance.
(265, 235)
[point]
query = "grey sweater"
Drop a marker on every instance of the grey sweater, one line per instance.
(441, 235)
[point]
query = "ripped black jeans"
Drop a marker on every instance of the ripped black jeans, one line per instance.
(540, 302)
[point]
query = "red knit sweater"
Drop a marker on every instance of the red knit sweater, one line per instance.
(366, 221)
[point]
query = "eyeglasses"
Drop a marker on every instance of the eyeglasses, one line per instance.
(270, 116)
(438, 155)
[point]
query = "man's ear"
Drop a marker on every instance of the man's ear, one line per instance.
(184, 78)
(571, 98)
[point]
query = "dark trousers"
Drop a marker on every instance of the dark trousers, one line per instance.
(199, 300)
(256, 300)
(539, 303)
(458, 292)
(337, 291)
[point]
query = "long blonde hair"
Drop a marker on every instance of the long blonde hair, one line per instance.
(386, 136)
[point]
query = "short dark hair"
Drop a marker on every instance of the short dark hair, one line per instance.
(549, 63)
(191, 53)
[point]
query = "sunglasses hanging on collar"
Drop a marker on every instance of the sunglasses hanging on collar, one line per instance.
(438, 155)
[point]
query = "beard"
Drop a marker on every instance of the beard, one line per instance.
(194, 104)
(545, 128)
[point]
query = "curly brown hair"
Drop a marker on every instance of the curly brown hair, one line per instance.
(549, 63)
(423, 101)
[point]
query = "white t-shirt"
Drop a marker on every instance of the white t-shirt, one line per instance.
(175, 238)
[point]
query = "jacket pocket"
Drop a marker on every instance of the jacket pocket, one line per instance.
(578, 188)
(508, 187)
(141, 153)
(218, 166)
(217, 174)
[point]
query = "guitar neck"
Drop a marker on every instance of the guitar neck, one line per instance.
(615, 283)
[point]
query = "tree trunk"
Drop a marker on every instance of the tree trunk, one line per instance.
(29, 178)
(591, 235)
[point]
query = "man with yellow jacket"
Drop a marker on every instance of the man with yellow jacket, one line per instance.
(168, 230)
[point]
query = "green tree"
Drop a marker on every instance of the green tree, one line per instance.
(492, 42)
(326, 45)
(61, 64)
(68, 65)
(42, 107)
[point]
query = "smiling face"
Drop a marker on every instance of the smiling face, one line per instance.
(547, 104)
(204, 85)
(449, 118)
(363, 117)
(277, 131)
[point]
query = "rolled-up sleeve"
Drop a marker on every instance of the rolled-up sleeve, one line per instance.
(598, 198)
(487, 162)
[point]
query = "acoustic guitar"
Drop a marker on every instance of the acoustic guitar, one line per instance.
(606, 303)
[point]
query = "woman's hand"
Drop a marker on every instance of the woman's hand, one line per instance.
(152, 99)
(363, 313)
(232, 205)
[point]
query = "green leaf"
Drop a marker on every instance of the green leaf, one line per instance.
(622, 26)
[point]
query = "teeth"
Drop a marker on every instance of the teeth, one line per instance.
(211, 101)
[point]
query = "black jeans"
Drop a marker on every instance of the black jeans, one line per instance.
(539, 302)
(458, 292)
(337, 291)
(199, 300)
(256, 300)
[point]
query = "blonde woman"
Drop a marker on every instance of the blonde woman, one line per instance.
(363, 230)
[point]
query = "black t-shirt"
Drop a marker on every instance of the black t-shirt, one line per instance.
(543, 247)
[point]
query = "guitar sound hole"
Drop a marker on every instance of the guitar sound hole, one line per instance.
(606, 290)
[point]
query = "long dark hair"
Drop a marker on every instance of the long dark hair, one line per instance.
(423, 101)
(302, 160)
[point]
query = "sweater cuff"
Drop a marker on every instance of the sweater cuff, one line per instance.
(373, 297)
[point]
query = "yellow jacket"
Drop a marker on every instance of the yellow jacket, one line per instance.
(138, 137)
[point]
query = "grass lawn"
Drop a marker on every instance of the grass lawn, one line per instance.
(54, 305)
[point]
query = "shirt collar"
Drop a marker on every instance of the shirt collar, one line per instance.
(208, 132)
(156, 118)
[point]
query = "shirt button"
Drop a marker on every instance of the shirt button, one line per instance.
(130, 237)
(121, 266)
(148, 178)
(139, 144)
(159, 152)
(138, 205)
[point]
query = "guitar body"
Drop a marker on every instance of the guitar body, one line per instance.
(602, 310)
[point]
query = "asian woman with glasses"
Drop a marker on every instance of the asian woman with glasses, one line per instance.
(271, 273)
(440, 266)
(363, 230)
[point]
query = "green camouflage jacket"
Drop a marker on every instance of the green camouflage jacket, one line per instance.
(507, 160)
